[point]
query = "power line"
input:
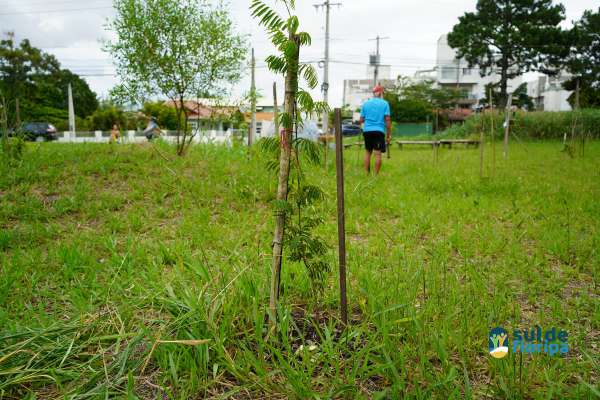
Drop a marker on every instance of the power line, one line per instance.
(56, 11)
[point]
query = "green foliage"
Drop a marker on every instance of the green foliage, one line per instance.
(520, 98)
(165, 115)
(109, 114)
(584, 60)
(416, 102)
(12, 148)
(589, 93)
(534, 125)
(177, 49)
(37, 80)
(300, 240)
(302, 209)
(510, 37)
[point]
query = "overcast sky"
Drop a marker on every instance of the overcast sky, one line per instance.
(73, 29)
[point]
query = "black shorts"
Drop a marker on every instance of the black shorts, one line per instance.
(375, 141)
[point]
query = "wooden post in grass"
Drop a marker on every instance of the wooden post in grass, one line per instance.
(339, 166)
(481, 147)
(507, 124)
(276, 273)
(493, 134)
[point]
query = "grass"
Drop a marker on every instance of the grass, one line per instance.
(108, 253)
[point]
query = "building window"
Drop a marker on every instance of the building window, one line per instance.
(467, 71)
(448, 72)
(259, 128)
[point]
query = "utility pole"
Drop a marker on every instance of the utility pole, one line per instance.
(71, 111)
(377, 62)
(325, 86)
(252, 133)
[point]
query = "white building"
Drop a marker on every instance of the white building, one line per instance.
(450, 72)
(357, 91)
(548, 94)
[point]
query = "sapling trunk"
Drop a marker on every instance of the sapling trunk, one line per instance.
(291, 90)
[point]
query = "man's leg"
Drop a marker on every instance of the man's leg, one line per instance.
(377, 162)
(368, 161)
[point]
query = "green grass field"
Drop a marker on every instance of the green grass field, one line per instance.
(107, 253)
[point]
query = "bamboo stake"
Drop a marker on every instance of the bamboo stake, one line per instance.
(276, 272)
(507, 125)
(493, 134)
(481, 145)
(339, 157)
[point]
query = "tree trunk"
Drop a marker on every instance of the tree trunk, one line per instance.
(180, 141)
(291, 89)
(503, 86)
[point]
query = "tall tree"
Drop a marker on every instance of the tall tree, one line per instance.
(510, 37)
(180, 49)
(35, 79)
(584, 60)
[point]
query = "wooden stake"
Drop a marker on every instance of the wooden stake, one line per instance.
(276, 272)
(481, 148)
(339, 164)
(507, 125)
(493, 134)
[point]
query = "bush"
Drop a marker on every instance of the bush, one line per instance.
(533, 125)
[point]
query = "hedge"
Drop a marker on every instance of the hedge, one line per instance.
(532, 125)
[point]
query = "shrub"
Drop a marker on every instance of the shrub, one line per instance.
(533, 125)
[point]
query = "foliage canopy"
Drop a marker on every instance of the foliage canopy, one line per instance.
(510, 37)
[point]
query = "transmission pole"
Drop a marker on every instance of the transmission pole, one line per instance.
(377, 62)
(325, 87)
(72, 127)
(252, 133)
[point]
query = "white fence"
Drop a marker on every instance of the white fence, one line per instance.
(212, 136)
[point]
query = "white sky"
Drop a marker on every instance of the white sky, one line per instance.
(72, 31)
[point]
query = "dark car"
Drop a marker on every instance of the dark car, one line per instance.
(38, 131)
(349, 128)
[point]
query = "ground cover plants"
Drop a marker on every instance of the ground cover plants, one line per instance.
(129, 273)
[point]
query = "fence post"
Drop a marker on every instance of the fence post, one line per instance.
(339, 158)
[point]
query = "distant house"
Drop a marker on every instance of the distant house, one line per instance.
(265, 119)
(208, 115)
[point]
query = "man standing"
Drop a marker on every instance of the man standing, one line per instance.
(377, 127)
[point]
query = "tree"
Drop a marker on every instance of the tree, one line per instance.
(416, 102)
(520, 98)
(37, 86)
(304, 247)
(164, 114)
(584, 61)
(177, 49)
(109, 114)
(509, 36)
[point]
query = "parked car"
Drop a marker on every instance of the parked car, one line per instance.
(349, 128)
(38, 131)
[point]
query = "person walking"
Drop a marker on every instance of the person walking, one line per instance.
(377, 128)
